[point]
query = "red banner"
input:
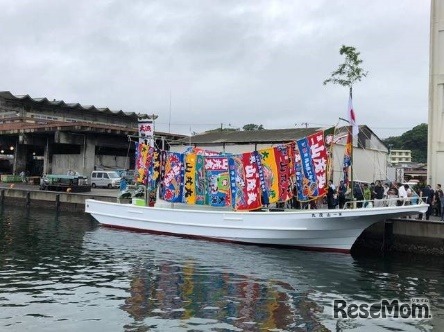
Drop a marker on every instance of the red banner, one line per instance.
(283, 162)
(245, 182)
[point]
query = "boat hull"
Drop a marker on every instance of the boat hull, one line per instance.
(332, 230)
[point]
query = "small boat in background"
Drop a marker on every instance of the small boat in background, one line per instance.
(66, 183)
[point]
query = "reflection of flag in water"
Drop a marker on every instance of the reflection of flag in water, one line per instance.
(347, 158)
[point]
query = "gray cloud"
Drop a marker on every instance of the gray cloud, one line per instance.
(230, 62)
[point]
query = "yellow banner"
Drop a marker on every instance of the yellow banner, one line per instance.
(271, 178)
(189, 193)
(141, 163)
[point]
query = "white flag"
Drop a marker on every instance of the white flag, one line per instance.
(352, 118)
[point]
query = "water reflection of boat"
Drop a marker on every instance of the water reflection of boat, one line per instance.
(231, 286)
(182, 284)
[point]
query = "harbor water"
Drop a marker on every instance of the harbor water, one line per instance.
(64, 272)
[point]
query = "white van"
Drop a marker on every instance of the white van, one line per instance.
(109, 179)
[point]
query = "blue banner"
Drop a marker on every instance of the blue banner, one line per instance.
(309, 184)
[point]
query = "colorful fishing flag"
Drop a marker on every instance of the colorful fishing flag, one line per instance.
(200, 181)
(309, 183)
(189, 192)
(218, 180)
(245, 182)
(146, 131)
(153, 168)
(172, 184)
(264, 192)
(205, 152)
(347, 158)
(143, 162)
(270, 174)
(283, 166)
(302, 190)
(329, 136)
(319, 157)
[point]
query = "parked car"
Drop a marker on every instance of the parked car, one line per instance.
(109, 179)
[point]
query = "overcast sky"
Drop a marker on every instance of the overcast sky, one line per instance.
(229, 62)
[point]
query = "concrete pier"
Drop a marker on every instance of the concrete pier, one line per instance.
(404, 235)
(25, 195)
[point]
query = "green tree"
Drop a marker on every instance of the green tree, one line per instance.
(414, 140)
(350, 71)
(346, 75)
(252, 126)
(222, 129)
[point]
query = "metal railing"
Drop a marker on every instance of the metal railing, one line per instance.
(384, 202)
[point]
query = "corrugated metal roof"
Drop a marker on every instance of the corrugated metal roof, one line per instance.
(245, 137)
(61, 103)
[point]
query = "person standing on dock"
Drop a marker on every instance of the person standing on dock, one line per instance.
(427, 195)
(437, 201)
(123, 184)
(441, 200)
(23, 176)
(430, 201)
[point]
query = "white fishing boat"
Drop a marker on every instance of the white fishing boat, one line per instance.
(226, 197)
(321, 229)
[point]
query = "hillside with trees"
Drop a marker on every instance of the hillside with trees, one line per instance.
(247, 127)
(414, 140)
